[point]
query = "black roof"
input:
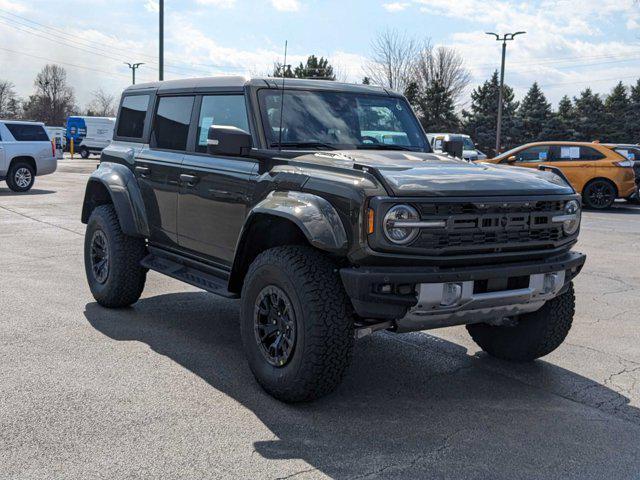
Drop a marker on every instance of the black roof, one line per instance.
(238, 83)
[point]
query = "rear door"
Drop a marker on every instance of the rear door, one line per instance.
(3, 161)
(576, 162)
(157, 167)
(214, 191)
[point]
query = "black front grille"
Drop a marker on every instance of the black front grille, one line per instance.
(490, 227)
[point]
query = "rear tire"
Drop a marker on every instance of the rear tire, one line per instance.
(537, 334)
(314, 317)
(599, 194)
(112, 260)
(21, 177)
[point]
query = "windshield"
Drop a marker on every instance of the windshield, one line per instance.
(468, 143)
(339, 120)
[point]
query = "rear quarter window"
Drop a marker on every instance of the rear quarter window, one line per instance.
(28, 133)
(587, 153)
(133, 113)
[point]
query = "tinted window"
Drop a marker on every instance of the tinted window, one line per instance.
(229, 110)
(587, 153)
(132, 115)
(171, 124)
(533, 154)
(28, 133)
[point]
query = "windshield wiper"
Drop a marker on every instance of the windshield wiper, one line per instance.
(324, 146)
(382, 146)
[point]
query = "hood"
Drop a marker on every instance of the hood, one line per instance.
(427, 174)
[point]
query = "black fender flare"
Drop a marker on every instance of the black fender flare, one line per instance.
(120, 183)
(313, 215)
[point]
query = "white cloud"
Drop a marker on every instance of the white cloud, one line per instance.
(12, 6)
(286, 5)
(218, 3)
(152, 6)
(395, 6)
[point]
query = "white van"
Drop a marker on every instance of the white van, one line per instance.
(90, 134)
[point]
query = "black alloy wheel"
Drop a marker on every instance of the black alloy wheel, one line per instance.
(275, 325)
(599, 194)
(100, 256)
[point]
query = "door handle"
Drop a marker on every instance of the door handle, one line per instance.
(190, 180)
(143, 171)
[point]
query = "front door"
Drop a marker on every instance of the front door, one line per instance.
(157, 167)
(215, 191)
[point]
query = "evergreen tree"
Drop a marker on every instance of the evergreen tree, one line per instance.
(617, 114)
(534, 114)
(560, 125)
(481, 120)
(316, 68)
(589, 116)
(633, 120)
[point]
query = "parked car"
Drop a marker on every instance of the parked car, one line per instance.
(90, 134)
(282, 197)
(632, 153)
(26, 151)
(469, 151)
(600, 174)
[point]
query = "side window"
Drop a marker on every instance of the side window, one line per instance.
(171, 123)
(228, 110)
(132, 115)
(24, 132)
(533, 154)
(587, 153)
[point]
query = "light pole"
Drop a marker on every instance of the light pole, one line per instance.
(161, 43)
(133, 67)
(507, 37)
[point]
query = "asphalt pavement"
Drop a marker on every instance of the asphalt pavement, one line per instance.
(162, 389)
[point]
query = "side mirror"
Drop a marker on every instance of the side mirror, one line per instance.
(228, 140)
(511, 159)
(453, 148)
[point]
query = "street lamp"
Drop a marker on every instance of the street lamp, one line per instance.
(161, 41)
(133, 67)
(507, 37)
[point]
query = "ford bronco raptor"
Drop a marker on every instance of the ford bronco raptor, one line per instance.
(322, 207)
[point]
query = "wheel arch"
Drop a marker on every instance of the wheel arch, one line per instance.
(604, 179)
(287, 218)
(115, 184)
(26, 159)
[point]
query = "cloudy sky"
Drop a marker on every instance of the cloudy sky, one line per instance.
(570, 44)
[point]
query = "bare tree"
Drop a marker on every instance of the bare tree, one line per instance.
(9, 102)
(392, 60)
(442, 65)
(103, 104)
(53, 99)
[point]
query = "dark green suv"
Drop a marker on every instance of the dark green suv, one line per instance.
(322, 207)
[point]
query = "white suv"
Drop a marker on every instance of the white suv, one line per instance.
(25, 151)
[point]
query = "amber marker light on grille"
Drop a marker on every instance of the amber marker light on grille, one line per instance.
(370, 221)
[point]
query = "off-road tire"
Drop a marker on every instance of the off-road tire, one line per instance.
(11, 177)
(84, 153)
(535, 335)
(323, 317)
(126, 277)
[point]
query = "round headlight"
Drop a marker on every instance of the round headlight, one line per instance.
(571, 208)
(393, 224)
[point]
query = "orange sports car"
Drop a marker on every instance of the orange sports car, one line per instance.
(599, 173)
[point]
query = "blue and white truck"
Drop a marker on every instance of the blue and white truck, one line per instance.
(89, 134)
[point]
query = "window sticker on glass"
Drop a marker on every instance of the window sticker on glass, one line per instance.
(624, 153)
(542, 156)
(570, 152)
(204, 130)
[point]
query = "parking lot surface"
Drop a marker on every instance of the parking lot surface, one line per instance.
(162, 389)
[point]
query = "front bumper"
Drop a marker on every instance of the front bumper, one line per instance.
(413, 296)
